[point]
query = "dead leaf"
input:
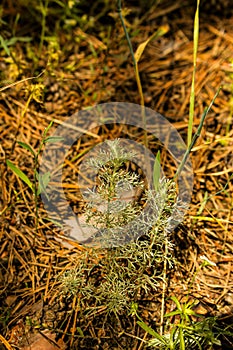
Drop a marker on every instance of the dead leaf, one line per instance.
(44, 341)
(160, 32)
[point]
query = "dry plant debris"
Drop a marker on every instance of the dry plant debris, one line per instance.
(89, 64)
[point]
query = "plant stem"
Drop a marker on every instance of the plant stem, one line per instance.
(164, 288)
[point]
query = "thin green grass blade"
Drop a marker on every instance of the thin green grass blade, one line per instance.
(196, 135)
(192, 95)
(181, 338)
(176, 301)
(27, 147)
(51, 139)
(172, 313)
(150, 331)
(47, 129)
(54, 222)
(20, 174)
(156, 171)
(4, 46)
(160, 32)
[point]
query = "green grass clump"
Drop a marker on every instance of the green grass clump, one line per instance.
(186, 330)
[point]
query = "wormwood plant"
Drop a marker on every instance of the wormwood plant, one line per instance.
(120, 205)
(134, 265)
(139, 259)
(133, 270)
(111, 203)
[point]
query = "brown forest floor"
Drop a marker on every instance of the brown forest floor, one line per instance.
(89, 64)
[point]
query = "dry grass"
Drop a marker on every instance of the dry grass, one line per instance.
(92, 70)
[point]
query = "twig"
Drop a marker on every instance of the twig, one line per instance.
(21, 81)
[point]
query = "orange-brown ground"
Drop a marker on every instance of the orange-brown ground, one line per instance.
(84, 64)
